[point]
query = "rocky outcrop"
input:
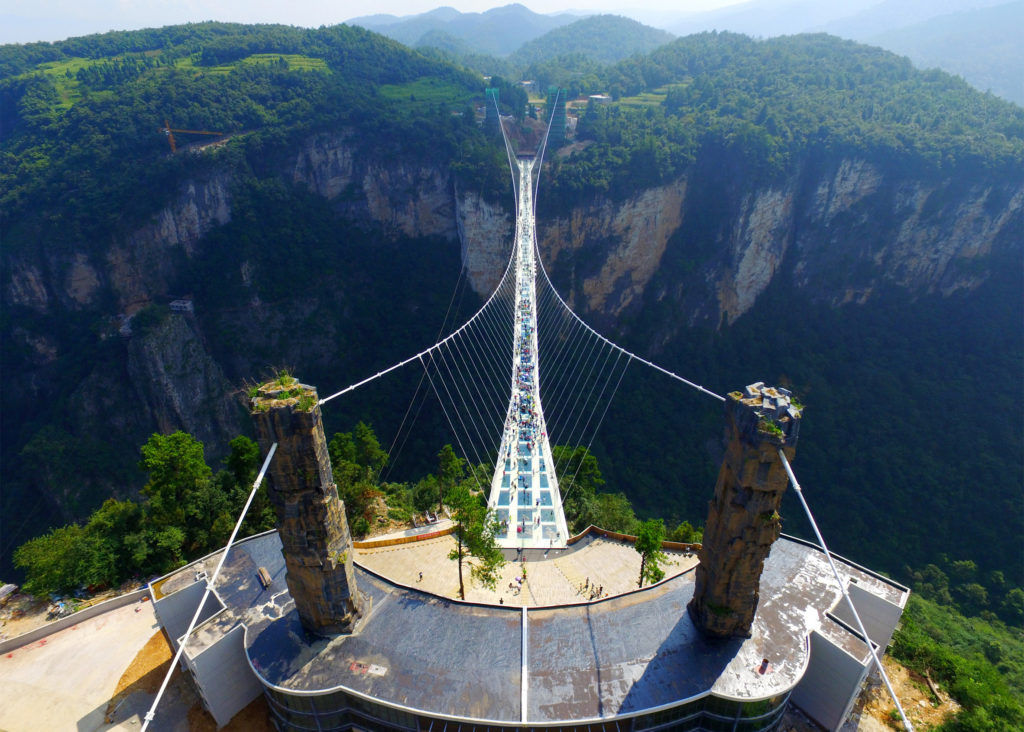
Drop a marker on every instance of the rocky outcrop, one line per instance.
(142, 266)
(404, 198)
(326, 165)
(315, 538)
(26, 287)
(486, 233)
(924, 235)
(844, 228)
(180, 386)
(743, 517)
(761, 235)
(635, 233)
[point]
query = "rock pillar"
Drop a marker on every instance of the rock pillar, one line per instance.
(316, 542)
(743, 518)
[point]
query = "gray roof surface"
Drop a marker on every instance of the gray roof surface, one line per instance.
(613, 657)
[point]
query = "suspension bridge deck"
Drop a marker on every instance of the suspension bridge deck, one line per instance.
(524, 491)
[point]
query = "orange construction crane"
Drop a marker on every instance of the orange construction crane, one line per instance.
(169, 131)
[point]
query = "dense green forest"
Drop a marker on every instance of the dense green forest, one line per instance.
(83, 160)
(604, 39)
(265, 86)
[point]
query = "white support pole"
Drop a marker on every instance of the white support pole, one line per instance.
(842, 588)
(151, 714)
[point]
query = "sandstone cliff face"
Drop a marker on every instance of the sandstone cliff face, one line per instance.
(486, 233)
(636, 234)
(140, 267)
(922, 235)
(840, 229)
(845, 228)
(759, 241)
(405, 198)
(181, 386)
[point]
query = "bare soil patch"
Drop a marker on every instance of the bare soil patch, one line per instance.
(924, 709)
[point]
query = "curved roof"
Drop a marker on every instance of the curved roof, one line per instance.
(618, 656)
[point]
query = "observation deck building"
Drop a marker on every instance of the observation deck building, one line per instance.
(635, 661)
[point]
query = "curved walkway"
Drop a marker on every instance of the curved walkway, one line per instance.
(612, 567)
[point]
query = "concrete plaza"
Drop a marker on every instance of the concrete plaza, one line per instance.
(564, 576)
(64, 681)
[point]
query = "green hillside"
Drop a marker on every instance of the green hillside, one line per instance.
(605, 39)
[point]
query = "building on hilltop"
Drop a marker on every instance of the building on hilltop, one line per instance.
(765, 627)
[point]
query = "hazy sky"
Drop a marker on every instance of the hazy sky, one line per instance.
(22, 21)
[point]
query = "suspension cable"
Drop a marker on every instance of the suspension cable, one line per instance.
(842, 588)
(616, 346)
(426, 351)
(151, 714)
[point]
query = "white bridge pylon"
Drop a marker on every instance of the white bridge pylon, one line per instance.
(524, 491)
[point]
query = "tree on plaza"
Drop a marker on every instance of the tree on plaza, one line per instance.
(474, 537)
(648, 543)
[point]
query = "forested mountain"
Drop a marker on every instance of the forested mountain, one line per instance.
(497, 32)
(975, 39)
(601, 38)
(983, 46)
(100, 222)
(805, 211)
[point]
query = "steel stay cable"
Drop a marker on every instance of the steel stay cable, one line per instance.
(596, 402)
(422, 353)
(842, 588)
(561, 340)
(501, 284)
(151, 714)
(571, 396)
(508, 151)
(475, 349)
(644, 361)
(571, 438)
(481, 377)
(450, 424)
(566, 432)
(492, 334)
(487, 350)
(562, 372)
(408, 434)
(543, 150)
(579, 412)
(458, 411)
(576, 376)
(458, 414)
(469, 385)
(599, 423)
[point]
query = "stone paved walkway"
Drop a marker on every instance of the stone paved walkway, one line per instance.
(564, 577)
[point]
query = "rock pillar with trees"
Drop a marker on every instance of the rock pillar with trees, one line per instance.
(743, 517)
(315, 538)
